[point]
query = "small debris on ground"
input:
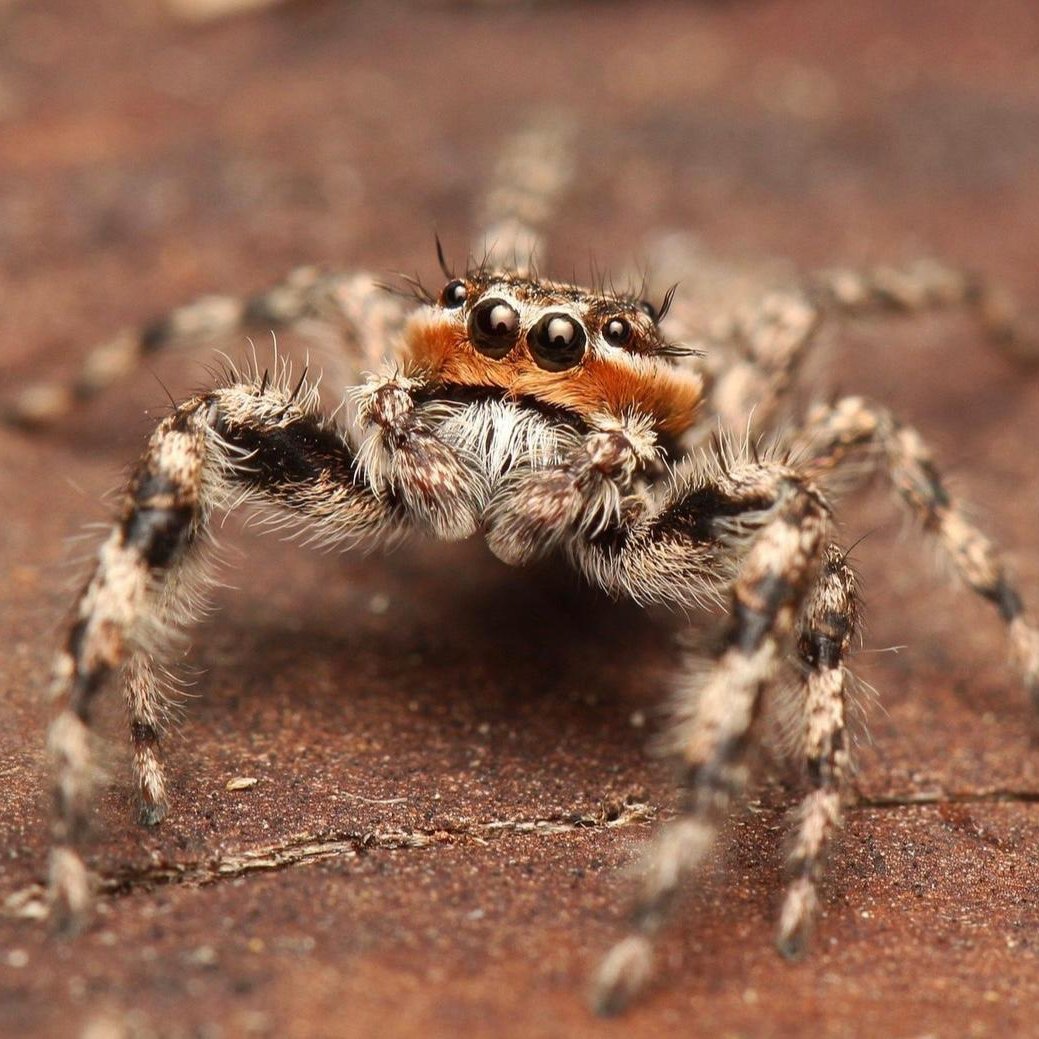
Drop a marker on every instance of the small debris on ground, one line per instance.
(208, 10)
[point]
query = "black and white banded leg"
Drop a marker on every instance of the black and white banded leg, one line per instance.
(245, 442)
(827, 625)
(764, 344)
(663, 557)
(768, 342)
(836, 433)
(930, 285)
(363, 316)
(147, 714)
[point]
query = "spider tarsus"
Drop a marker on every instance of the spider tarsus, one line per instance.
(622, 976)
(796, 920)
(70, 892)
(152, 814)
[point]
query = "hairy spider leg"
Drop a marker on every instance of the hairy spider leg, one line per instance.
(365, 319)
(251, 441)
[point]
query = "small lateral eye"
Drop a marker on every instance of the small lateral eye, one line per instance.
(649, 310)
(557, 342)
(454, 294)
(617, 331)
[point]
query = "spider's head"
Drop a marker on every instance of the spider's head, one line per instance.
(586, 352)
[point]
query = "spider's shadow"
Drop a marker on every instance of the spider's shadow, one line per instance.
(454, 626)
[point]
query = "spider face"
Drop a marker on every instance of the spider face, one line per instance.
(585, 352)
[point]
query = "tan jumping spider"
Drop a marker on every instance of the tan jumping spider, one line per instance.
(546, 418)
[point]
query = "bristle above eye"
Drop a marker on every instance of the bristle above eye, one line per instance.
(420, 290)
(415, 289)
(669, 298)
(665, 349)
(448, 273)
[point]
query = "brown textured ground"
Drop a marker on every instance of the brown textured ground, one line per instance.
(420, 700)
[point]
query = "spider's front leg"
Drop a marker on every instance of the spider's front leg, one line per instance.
(683, 554)
(245, 442)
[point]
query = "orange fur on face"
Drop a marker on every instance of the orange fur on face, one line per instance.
(610, 385)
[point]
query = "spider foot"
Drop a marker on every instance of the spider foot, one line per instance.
(69, 890)
(622, 975)
(797, 919)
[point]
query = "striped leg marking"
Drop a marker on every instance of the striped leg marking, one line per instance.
(834, 432)
(246, 442)
(716, 715)
(828, 623)
(364, 315)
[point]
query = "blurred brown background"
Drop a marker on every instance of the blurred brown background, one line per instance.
(435, 699)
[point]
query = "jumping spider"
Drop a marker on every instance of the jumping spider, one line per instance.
(546, 418)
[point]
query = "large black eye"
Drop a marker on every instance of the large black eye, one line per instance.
(494, 327)
(557, 342)
(454, 294)
(617, 331)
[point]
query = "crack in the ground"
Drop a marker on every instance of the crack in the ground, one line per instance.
(31, 902)
(996, 795)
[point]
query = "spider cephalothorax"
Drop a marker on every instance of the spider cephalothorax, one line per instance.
(546, 418)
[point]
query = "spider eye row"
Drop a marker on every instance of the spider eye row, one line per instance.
(557, 342)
